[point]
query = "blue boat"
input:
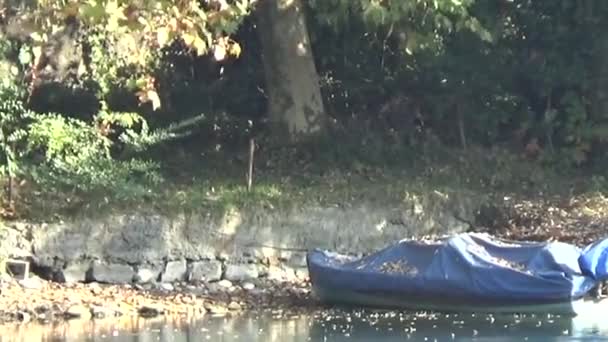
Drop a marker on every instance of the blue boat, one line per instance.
(470, 272)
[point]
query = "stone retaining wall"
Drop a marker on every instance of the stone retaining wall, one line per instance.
(145, 246)
(202, 271)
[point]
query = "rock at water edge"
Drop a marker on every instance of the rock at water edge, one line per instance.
(215, 309)
(207, 271)
(241, 272)
(146, 275)
(302, 273)
(297, 260)
(31, 283)
(226, 284)
(78, 311)
(75, 272)
(112, 273)
(166, 287)
(174, 271)
(281, 273)
(234, 306)
(150, 311)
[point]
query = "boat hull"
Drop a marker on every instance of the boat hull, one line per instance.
(583, 306)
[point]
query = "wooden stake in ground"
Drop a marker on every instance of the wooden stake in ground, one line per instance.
(461, 129)
(250, 171)
(9, 191)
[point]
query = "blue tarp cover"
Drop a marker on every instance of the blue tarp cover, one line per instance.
(470, 265)
(594, 260)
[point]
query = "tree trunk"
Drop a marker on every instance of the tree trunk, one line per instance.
(295, 104)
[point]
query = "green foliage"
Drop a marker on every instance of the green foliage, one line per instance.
(121, 43)
(499, 74)
(419, 23)
(77, 155)
(77, 159)
(536, 76)
(65, 154)
(126, 123)
(66, 143)
(14, 118)
(124, 38)
(125, 181)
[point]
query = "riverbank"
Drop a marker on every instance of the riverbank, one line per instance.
(37, 300)
(213, 247)
(276, 287)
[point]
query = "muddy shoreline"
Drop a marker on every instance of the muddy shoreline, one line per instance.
(45, 302)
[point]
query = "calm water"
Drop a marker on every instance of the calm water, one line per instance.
(333, 325)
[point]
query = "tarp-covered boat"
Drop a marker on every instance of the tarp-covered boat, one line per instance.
(466, 272)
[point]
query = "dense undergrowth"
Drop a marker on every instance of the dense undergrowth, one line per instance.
(284, 178)
(519, 113)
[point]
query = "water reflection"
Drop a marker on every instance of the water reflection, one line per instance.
(332, 325)
(430, 327)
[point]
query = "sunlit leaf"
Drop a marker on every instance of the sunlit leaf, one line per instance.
(235, 49)
(72, 9)
(242, 6)
(176, 11)
(37, 52)
(187, 23)
(141, 82)
(14, 70)
(92, 12)
(163, 36)
(82, 69)
(200, 46)
(37, 37)
(25, 57)
(173, 25)
(188, 38)
(112, 8)
(154, 99)
(219, 52)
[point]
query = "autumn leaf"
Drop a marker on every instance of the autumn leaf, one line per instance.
(188, 38)
(173, 25)
(37, 37)
(200, 46)
(37, 51)
(243, 7)
(71, 10)
(219, 52)
(113, 9)
(141, 83)
(154, 98)
(187, 23)
(151, 96)
(163, 36)
(25, 58)
(176, 11)
(82, 69)
(235, 49)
